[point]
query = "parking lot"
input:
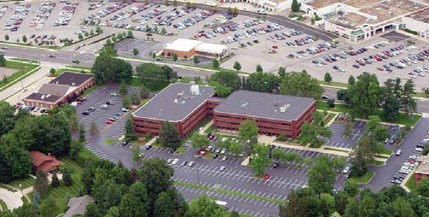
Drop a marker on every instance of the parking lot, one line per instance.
(358, 128)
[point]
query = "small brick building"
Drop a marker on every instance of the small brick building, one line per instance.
(186, 105)
(422, 171)
(63, 89)
(187, 48)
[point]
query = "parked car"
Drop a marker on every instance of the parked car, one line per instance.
(398, 152)
(148, 147)
(222, 168)
(191, 164)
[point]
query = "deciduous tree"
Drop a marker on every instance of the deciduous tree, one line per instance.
(237, 66)
(164, 205)
(49, 208)
(204, 206)
(263, 82)
(129, 130)
(248, 129)
(365, 95)
(225, 78)
(169, 136)
(215, 63)
(200, 141)
(327, 77)
(300, 84)
(322, 174)
(260, 160)
(41, 184)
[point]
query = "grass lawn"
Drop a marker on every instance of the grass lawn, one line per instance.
(403, 118)
(411, 184)
(421, 94)
(62, 70)
(3, 205)
(89, 90)
(323, 105)
(202, 124)
(328, 118)
(79, 68)
(181, 150)
(334, 149)
(109, 141)
(22, 69)
(153, 85)
(386, 151)
(210, 129)
(59, 193)
(365, 178)
(25, 182)
(87, 154)
(333, 83)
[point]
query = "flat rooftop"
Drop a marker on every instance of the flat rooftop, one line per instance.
(322, 3)
(349, 20)
(423, 167)
(264, 105)
(182, 44)
(71, 79)
(43, 97)
(175, 102)
(389, 9)
(422, 15)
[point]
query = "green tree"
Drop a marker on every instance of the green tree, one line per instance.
(282, 72)
(164, 205)
(130, 34)
(327, 204)
(10, 152)
(55, 182)
(221, 90)
(295, 6)
(367, 206)
(6, 37)
(150, 71)
(237, 66)
(311, 131)
(227, 79)
(403, 208)
(126, 101)
(263, 82)
(5, 169)
(86, 34)
(248, 129)
(391, 108)
(365, 95)
(351, 188)
(260, 160)
(112, 212)
(423, 187)
(80, 36)
(106, 68)
(327, 78)
(169, 136)
(135, 51)
(284, 157)
(93, 129)
(200, 141)
(352, 209)
(144, 92)
(67, 178)
(41, 184)
(195, 60)
(129, 130)
(174, 3)
(204, 206)
(81, 137)
(157, 178)
(175, 58)
(75, 148)
(300, 84)
(215, 63)
(351, 80)
(123, 89)
(52, 71)
(259, 68)
(2, 60)
(130, 206)
(24, 39)
(322, 174)
(135, 150)
(98, 30)
(407, 101)
(49, 208)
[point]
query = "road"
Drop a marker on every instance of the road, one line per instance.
(384, 174)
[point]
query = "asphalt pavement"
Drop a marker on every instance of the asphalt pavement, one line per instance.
(385, 173)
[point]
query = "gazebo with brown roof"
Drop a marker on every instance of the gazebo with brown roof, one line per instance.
(46, 163)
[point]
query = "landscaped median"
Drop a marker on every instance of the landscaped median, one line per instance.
(2, 205)
(223, 191)
(365, 179)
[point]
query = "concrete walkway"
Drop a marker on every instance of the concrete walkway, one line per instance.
(207, 126)
(13, 199)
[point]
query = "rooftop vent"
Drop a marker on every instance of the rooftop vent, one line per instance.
(244, 105)
(195, 90)
(73, 84)
(284, 108)
(42, 97)
(48, 95)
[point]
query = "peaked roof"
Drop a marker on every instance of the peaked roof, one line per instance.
(54, 89)
(43, 162)
(77, 205)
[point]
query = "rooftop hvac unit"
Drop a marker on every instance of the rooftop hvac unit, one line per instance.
(42, 97)
(284, 108)
(175, 100)
(195, 90)
(73, 84)
(48, 95)
(244, 105)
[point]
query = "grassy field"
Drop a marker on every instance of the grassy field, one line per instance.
(3, 205)
(62, 70)
(411, 184)
(21, 70)
(87, 154)
(333, 83)
(25, 182)
(154, 86)
(365, 178)
(403, 118)
(59, 193)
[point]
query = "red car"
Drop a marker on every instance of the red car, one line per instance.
(109, 122)
(266, 177)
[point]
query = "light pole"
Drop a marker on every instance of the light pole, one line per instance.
(198, 175)
(20, 187)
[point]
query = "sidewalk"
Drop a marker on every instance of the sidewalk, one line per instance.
(207, 126)
(13, 199)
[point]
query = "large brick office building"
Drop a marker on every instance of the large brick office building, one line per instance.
(186, 105)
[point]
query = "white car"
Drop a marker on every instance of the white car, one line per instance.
(125, 110)
(113, 94)
(175, 161)
(346, 170)
(398, 152)
(418, 149)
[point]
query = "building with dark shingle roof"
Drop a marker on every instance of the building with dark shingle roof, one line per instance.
(64, 88)
(186, 105)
